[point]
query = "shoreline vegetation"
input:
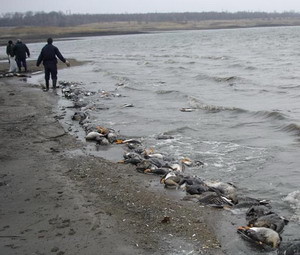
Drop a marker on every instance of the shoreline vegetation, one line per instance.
(39, 33)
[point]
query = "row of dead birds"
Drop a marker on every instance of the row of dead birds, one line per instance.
(264, 226)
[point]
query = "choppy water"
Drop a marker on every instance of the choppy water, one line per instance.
(244, 87)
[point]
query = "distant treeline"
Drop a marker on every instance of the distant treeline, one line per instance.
(63, 20)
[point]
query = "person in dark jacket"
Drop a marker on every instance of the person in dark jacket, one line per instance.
(20, 50)
(10, 55)
(48, 57)
(10, 48)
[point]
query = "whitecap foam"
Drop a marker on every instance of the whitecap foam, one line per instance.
(293, 199)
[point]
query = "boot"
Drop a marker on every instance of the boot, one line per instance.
(54, 84)
(47, 85)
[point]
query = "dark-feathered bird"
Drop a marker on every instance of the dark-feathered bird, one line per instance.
(214, 199)
(257, 211)
(261, 236)
(272, 221)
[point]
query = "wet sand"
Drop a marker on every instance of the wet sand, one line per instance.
(56, 198)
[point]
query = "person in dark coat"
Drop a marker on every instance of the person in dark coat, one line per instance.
(10, 48)
(10, 54)
(48, 57)
(20, 50)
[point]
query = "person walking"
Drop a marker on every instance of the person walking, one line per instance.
(10, 54)
(20, 50)
(48, 56)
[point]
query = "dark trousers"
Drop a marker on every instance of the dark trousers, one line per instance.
(50, 68)
(21, 62)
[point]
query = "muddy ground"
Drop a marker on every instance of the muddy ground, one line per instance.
(57, 199)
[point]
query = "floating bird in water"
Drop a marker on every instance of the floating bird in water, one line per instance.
(261, 236)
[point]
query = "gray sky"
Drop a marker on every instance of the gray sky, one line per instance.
(142, 6)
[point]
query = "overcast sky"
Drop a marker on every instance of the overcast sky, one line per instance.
(144, 6)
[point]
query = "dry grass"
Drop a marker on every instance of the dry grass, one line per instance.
(110, 28)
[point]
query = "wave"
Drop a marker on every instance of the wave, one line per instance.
(164, 92)
(292, 128)
(180, 130)
(145, 63)
(120, 78)
(289, 87)
(133, 88)
(215, 57)
(251, 68)
(196, 104)
(293, 199)
(223, 79)
(271, 115)
(217, 79)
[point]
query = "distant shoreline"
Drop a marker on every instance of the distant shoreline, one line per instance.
(31, 34)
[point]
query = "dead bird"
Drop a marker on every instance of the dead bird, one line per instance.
(171, 180)
(79, 116)
(157, 171)
(101, 140)
(246, 202)
(197, 189)
(272, 221)
(128, 141)
(225, 188)
(93, 136)
(260, 236)
(144, 165)
(132, 158)
(214, 199)
(257, 211)
(210, 198)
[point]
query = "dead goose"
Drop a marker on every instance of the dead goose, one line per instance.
(272, 221)
(171, 180)
(226, 189)
(215, 200)
(196, 189)
(260, 236)
(93, 135)
(257, 211)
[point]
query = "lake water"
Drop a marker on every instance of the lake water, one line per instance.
(243, 86)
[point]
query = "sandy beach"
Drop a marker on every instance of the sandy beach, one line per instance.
(58, 199)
